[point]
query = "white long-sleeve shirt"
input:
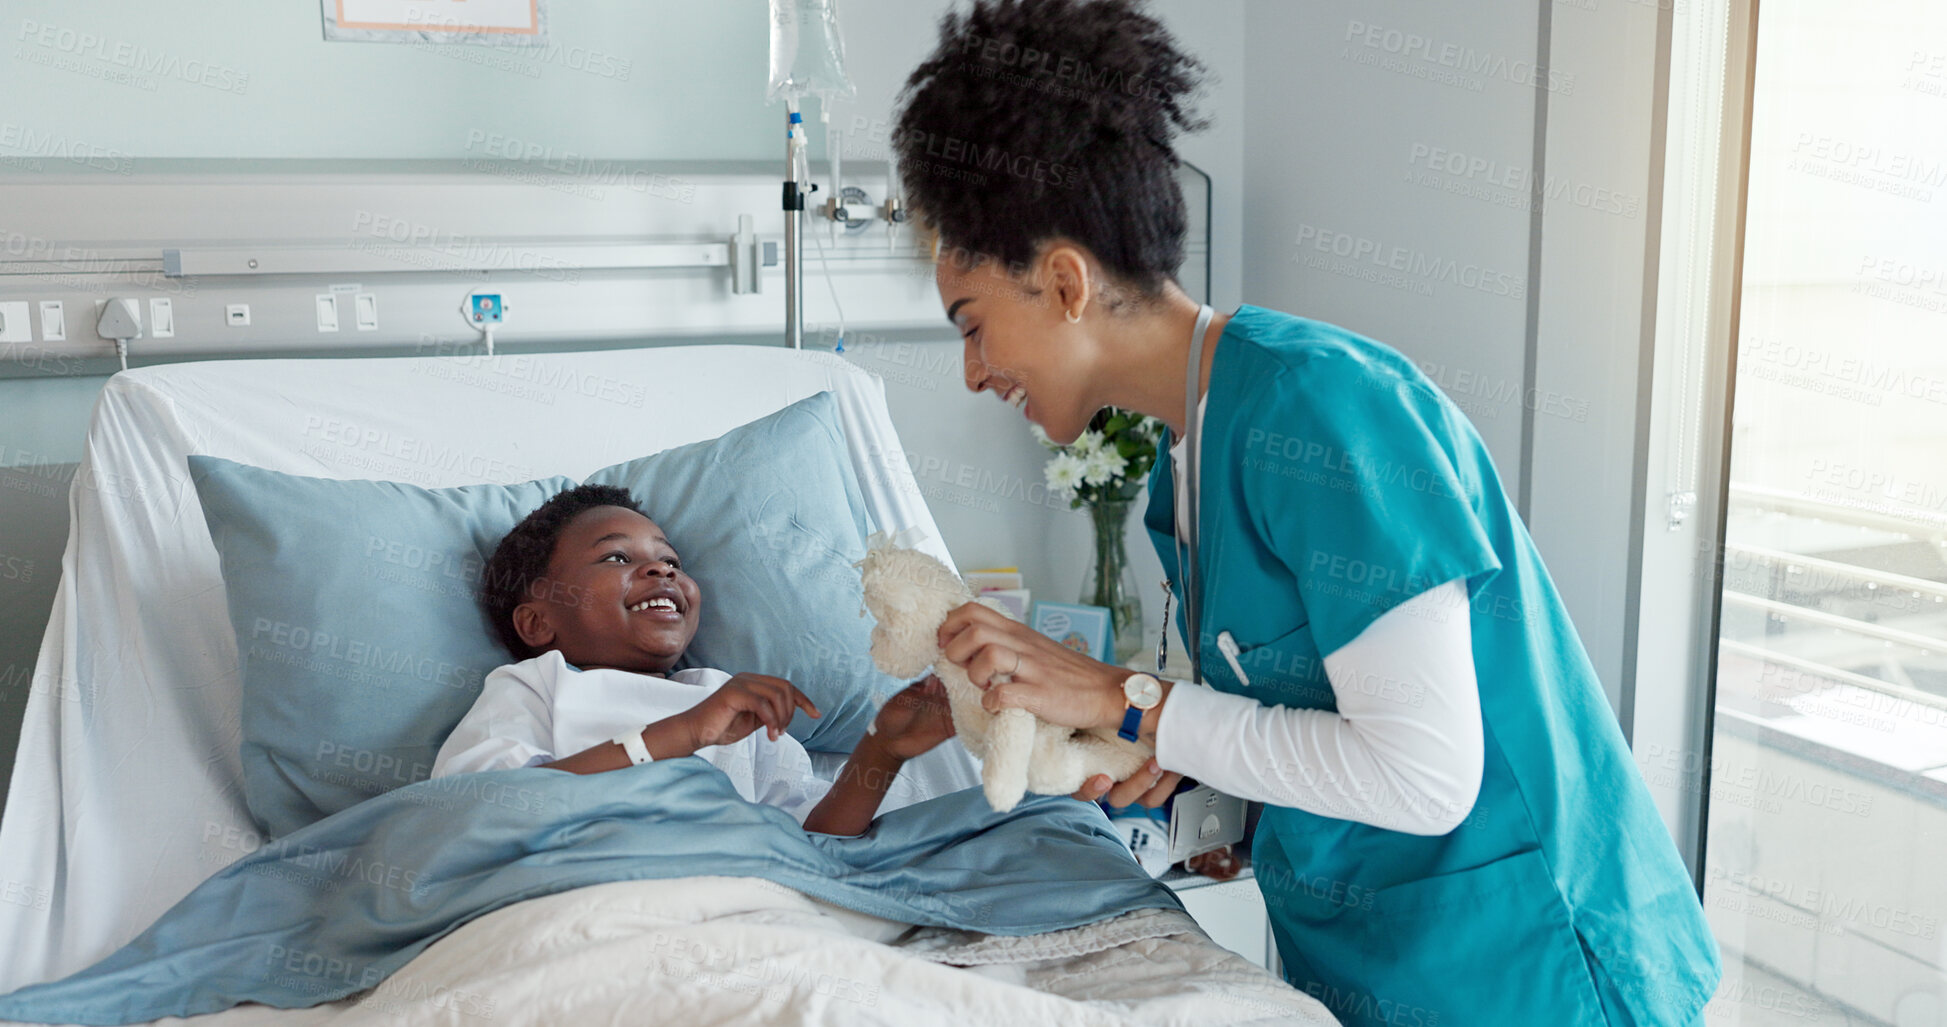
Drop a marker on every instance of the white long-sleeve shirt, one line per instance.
(542, 709)
(1404, 750)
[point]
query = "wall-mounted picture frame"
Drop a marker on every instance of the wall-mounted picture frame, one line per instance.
(491, 22)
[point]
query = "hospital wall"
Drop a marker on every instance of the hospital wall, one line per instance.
(1472, 184)
(692, 90)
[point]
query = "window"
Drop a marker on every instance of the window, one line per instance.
(1825, 866)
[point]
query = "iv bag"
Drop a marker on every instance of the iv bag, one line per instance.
(807, 53)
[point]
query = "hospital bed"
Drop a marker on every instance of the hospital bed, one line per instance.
(129, 754)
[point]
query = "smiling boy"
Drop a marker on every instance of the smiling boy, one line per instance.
(591, 595)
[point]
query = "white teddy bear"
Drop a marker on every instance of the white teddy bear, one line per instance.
(910, 593)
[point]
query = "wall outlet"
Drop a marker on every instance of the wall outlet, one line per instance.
(14, 326)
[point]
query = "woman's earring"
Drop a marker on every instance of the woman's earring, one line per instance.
(1073, 318)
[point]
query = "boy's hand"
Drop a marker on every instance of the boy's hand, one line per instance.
(743, 704)
(914, 720)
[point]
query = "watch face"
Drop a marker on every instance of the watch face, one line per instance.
(1142, 691)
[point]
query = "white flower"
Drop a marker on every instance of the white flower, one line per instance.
(1064, 473)
(1041, 435)
(1087, 445)
(1103, 466)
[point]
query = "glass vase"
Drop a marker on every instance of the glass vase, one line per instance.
(1111, 581)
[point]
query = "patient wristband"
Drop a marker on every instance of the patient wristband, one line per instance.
(631, 743)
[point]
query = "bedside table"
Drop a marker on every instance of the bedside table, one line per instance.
(1231, 912)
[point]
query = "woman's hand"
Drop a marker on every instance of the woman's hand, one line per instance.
(1149, 786)
(743, 704)
(1018, 667)
(913, 721)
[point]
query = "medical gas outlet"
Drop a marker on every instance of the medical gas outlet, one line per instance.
(484, 311)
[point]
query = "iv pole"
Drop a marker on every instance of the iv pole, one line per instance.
(794, 205)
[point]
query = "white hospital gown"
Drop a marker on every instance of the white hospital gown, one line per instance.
(543, 709)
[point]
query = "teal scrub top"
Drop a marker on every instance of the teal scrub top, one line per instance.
(1338, 482)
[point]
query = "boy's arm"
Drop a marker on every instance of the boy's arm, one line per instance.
(854, 798)
(742, 705)
(667, 739)
(910, 723)
(509, 725)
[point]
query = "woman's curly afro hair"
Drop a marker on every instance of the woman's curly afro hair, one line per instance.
(522, 557)
(1038, 119)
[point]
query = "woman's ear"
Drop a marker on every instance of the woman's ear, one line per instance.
(531, 623)
(1070, 285)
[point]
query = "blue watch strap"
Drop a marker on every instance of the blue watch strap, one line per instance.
(1130, 722)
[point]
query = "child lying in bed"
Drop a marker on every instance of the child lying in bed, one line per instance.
(592, 594)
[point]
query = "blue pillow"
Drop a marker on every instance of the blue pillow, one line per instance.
(359, 637)
(362, 641)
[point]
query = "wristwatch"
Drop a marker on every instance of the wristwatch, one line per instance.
(1143, 693)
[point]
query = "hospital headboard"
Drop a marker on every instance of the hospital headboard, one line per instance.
(127, 790)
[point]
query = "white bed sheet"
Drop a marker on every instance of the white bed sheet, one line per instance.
(724, 951)
(127, 786)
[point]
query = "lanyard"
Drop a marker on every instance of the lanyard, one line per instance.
(1187, 568)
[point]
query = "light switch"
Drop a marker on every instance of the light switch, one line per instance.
(327, 312)
(14, 326)
(366, 305)
(54, 323)
(162, 318)
(237, 315)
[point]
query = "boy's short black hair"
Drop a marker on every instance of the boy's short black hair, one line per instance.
(522, 557)
(1038, 119)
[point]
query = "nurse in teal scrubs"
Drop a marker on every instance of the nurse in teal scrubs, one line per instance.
(1502, 866)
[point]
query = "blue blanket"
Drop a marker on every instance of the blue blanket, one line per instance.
(367, 889)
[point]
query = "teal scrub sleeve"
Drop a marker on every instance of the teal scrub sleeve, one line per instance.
(1363, 482)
